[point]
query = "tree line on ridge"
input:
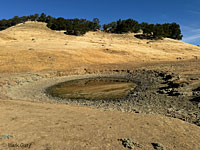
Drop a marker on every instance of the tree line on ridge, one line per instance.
(81, 26)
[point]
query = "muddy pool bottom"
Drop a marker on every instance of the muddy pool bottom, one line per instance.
(92, 89)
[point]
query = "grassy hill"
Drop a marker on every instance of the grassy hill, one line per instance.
(30, 52)
(34, 47)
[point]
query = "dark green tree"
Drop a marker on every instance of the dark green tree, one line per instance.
(34, 17)
(158, 32)
(111, 27)
(15, 20)
(42, 18)
(148, 29)
(81, 26)
(96, 24)
(122, 26)
(175, 31)
(3, 24)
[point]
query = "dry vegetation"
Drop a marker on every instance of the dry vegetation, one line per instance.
(33, 48)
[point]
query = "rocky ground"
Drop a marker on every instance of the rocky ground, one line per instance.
(157, 92)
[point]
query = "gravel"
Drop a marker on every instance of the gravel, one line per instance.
(155, 93)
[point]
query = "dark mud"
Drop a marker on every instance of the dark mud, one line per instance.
(92, 89)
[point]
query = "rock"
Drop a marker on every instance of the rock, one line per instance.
(196, 57)
(170, 110)
(116, 70)
(7, 136)
(123, 110)
(197, 89)
(168, 77)
(129, 143)
(34, 79)
(128, 71)
(31, 49)
(178, 58)
(158, 146)
(163, 91)
(198, 105)
(161, 74)
(194, 78)
(29, 80)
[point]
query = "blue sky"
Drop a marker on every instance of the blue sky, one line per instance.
(184, 12)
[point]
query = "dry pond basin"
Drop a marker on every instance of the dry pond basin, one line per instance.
(92, 89)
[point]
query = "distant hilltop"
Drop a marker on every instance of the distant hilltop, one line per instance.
(81, 26)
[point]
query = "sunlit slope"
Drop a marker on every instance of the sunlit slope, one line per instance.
(67, 127)
(34, 47)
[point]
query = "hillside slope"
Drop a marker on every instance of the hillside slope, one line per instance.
(61, 127)
(32, 57)
(34, 47)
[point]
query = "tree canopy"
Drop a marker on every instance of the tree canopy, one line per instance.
(81, 26)
(72, 26)
(150, 31)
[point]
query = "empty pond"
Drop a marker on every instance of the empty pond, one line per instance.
(90, 89)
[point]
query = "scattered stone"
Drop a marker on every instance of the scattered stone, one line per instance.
(194, 78)
(179, 58)
(34, 78)
(170, 109)
(152, 90)
(31, 49)
(168, 77)
(158, 146)
(195, 100)
(28, 80)
(162, 91)
(7, 136)
(161, 74)
(129, 143)
(128, 71)
(197, 89)
(116, 70)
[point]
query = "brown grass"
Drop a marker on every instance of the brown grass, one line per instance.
(32, 47)
(57, 127)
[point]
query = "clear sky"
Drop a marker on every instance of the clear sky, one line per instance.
(184, 12)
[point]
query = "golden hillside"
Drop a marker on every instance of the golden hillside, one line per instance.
(33, 57)
(34, 47)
